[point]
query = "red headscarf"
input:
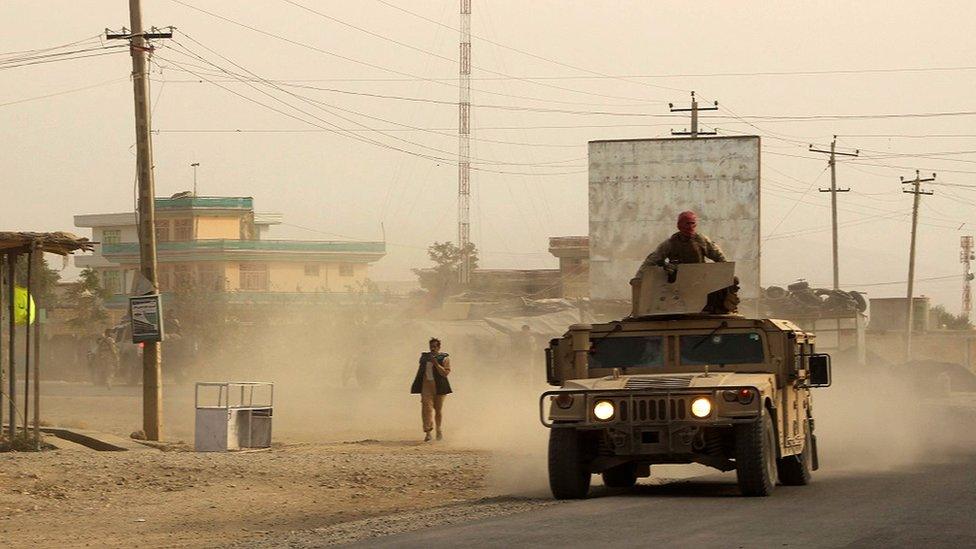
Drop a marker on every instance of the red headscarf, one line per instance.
(687, 222)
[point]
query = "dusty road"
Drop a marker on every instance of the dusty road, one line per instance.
(148, 498)
(926, 505)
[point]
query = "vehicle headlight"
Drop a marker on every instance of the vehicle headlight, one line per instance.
(701, 407)
(603, 410)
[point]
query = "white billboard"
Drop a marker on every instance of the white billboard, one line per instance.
(638, 187)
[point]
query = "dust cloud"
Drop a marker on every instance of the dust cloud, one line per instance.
(879, 417)
(346, 376)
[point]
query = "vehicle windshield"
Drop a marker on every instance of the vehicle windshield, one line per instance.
(739, 348)
(628, 352)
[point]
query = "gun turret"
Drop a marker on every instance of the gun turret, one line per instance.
(679, 288)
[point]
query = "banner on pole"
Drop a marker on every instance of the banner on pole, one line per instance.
(146, 314)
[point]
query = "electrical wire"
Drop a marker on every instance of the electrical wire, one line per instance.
(530, 54)
(59, 59)
(354, 60)
(334, 127)
(449, 59)
(64, 92)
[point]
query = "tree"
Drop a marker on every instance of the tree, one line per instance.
(443, 279)
(87, 298)
(948, 321)
(43, 280)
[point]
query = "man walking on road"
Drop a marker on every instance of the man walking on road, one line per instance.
(432, 385)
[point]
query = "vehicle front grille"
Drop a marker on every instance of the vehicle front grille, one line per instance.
(671, 382)
(640, 409)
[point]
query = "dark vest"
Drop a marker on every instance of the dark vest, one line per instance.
(440, 381)
(685, 249)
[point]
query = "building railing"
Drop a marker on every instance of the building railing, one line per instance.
(224, 245)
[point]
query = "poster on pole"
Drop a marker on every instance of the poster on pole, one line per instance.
(146, 314)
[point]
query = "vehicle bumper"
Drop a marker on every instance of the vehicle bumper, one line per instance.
(651, 423)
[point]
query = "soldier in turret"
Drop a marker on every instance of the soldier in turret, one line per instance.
(689, 246)
(685, 246)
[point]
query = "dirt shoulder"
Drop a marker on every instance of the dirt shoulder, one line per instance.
(83, 498)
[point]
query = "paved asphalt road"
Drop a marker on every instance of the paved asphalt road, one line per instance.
(931, 505)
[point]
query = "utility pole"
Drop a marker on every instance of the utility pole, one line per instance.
(195, 165)
(909, 317)
(966, 257)
(694, 117)
(833, 190)
(464, 144)
(152, 390)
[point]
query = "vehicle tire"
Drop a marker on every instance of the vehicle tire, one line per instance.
(755, 456)
(569, 477)
(621, 476)
(795, 470)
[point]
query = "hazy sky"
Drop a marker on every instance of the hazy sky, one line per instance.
(72, 153)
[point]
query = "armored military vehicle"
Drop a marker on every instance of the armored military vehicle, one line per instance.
(670, 384)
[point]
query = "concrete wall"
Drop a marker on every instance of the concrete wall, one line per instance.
(637, 188)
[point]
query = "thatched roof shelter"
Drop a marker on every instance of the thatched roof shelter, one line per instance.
(60, 243)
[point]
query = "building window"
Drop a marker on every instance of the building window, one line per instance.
(345, 269)
(209, 277)
(182, 277)
(254, 277)
(162, 230)
(112, 281)
(111, 236)
(311, 269)
(183, 230)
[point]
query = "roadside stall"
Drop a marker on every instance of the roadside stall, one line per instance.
(19, 307)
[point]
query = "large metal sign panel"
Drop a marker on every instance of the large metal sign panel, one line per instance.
(638, 187)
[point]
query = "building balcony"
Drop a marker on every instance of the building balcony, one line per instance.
(251, 250)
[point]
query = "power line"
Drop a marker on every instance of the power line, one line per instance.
(433, 54)
(305, 99)
(530, 54)
(93, 38)
(61, 57)
(439, 128)
(64, 92)
(334, 128)
(358, 61)
(793, 207)
(911, 136)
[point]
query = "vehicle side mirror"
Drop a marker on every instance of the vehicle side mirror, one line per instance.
(819, 365)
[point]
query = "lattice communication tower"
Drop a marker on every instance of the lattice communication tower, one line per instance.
(464, 144)
(966, 256)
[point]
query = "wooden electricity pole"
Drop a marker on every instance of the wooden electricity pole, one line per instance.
(694, 117)
(833, 190)
(152, 386)
(909, 316)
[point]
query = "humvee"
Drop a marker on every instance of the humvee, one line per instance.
(669, 384)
